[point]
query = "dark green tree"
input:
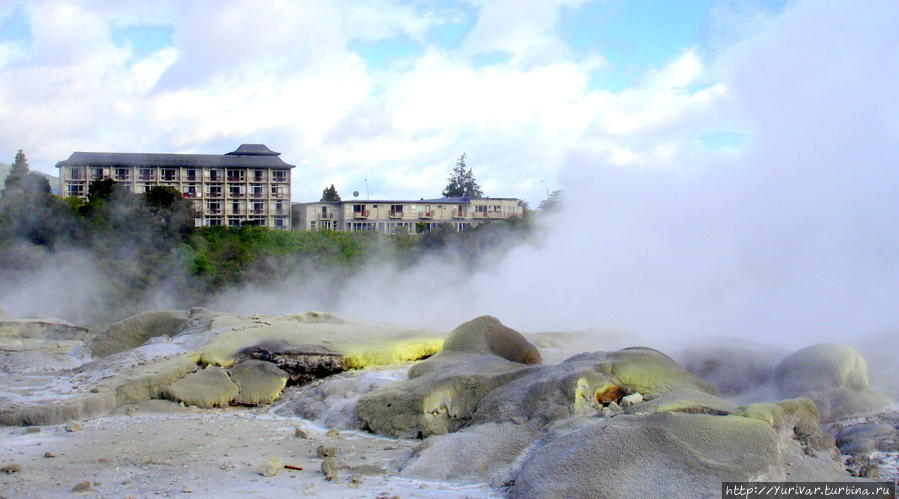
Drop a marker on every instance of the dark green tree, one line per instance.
(461, 182)
(330, 194)
(28, 210)
(17, 172)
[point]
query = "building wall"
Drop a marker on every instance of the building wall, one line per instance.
(221, 196)
(393, 217)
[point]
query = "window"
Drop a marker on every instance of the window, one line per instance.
(75, 189)
(257, 191)
(236, 175)
(122, 173)
(191, 175)
(98, 174)
(279, 175)
(279, 222)
(168, 174)
(279, 208)
(233, 222)
(235, 208)
(215, 222)
(215, 191)
(258, 175)
(481, 208)
(215, 207)
(76, 173)
(215, 175)
(258, 208)
(236, 191)
(191, 191)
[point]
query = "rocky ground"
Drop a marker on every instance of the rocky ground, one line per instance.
(205, 404)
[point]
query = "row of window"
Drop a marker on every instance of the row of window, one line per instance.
(195, 191)
(172, 174)
(280, 223)
(240, 208)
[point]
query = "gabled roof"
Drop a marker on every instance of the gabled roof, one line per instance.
(246, 156)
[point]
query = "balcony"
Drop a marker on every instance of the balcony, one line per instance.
(235, 178)
(146, 177)
(257, 211)
(213, 194)
(396, 214)
(426, 214)
(459, 214)
(360, 214)
(325, 216)
(257, 195)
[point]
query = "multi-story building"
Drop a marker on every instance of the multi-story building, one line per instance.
(248, 186)
(411, 217)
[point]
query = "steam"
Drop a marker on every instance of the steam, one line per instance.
(791, 241)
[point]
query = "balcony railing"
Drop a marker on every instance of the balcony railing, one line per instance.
(235, 178)
(426, 214)
(360, 214)
(257, 194)
(458, 214)
(326, 216)
(214, 195)
(257, 211)
(146, 177)
(396, 214)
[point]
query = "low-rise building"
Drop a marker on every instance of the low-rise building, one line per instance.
(410, 217)
(250, 185)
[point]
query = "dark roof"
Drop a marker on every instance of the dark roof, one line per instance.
(246, 156)
(253, 150)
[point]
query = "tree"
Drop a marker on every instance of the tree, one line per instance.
(552, 203)
(330, 194)
(461, 182)
(17, 173)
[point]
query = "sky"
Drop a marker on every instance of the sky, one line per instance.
(379, 97)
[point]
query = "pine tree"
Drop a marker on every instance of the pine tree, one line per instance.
(17, 173)
(461, 182)
(330, 194)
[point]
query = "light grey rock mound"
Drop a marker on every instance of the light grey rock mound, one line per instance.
(436, 401)
(134, 331)
(92, 389)
(44, 329)
(209, 387)
(444, 390)
(258, 382)
(663, 455)
(834, 376)
(486, 334)
(451, 458)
